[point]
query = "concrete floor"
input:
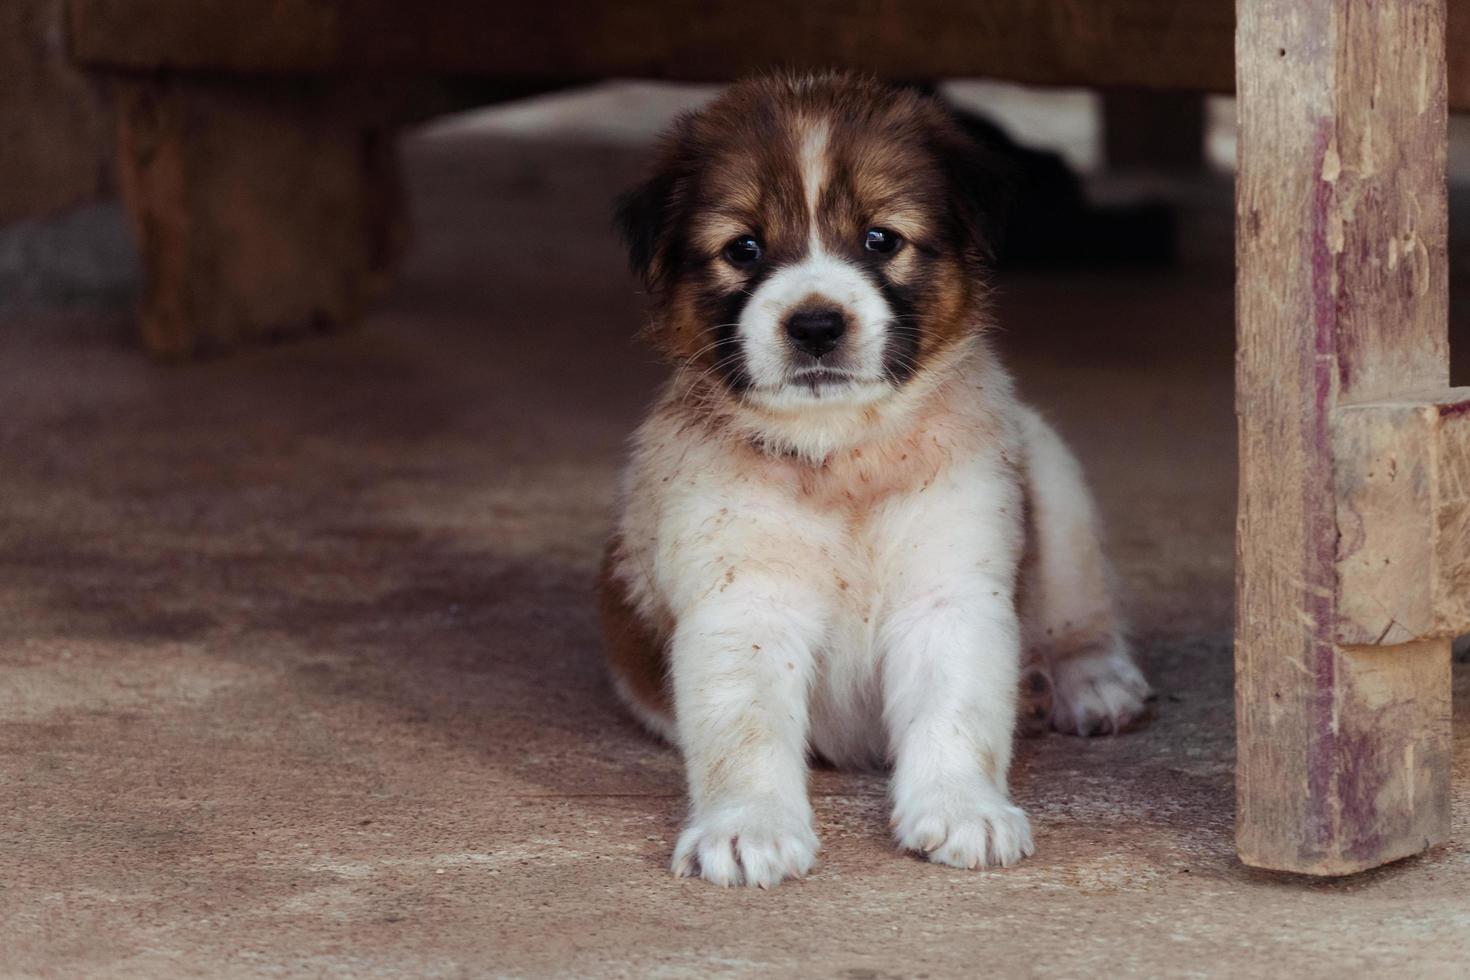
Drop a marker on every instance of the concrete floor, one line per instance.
(299, 673)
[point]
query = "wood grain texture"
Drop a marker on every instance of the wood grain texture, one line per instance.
(1402, 476)
(258, 216)
(1143, 43)
(1149, 43)
(1341, 298)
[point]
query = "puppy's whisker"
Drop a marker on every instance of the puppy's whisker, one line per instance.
(712, 345)
(717, 366)
(722, 361)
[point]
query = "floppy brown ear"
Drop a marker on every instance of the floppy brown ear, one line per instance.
(644, 219)
(982, 184)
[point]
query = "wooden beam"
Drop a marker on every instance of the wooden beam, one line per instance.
(1344, 750)
(1156, 44)
(1148, 43)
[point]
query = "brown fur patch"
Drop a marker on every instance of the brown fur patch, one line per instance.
(634, 649)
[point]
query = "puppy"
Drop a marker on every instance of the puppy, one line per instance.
(840, 532)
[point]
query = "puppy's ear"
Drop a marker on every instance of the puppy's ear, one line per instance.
(645, 219)
(982, 184)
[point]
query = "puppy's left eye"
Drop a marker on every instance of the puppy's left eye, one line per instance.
(882, 241)
(743, 251)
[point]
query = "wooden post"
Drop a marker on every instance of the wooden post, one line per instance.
(1341, 301)
(262, 210)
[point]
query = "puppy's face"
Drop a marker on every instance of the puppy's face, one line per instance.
(813, 240)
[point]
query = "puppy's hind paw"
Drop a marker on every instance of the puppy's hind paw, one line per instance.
(1035, 711)
(1101, 692)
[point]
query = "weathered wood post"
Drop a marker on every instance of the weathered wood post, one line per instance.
(1352, 544)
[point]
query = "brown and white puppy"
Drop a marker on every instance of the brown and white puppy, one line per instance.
(841, 533)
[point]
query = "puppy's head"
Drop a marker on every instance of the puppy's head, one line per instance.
(813, 240)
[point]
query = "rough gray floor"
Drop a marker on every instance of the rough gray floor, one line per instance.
(299, 672)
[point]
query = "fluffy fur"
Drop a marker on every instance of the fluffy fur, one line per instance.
(854, 551)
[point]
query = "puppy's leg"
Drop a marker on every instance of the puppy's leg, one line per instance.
(742, 667)
(951, 666)
(1070, 619)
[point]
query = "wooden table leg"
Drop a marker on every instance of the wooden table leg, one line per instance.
(1344, 738)
(261, 211)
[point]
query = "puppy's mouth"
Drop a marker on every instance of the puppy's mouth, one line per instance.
(821, 376)
(818, 380)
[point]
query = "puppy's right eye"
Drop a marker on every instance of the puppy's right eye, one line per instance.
(743, 251)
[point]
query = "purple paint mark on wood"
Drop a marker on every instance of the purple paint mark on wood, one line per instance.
(1318, 503)
(1324, 294)
(1453, 409)
(1360, 768)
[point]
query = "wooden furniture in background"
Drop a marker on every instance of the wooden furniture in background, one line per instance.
(257, 165)
(332, 78)
(258, 213)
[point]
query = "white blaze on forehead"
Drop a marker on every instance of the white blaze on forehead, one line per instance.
(812, 158)
(819, 279)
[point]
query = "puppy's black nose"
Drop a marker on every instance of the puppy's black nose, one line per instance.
(816, 332)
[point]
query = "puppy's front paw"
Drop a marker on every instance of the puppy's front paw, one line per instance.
(973, 829)
(1098, 693)
(760, 844)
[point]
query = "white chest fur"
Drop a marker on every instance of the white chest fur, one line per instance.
(865, 607)
(856, 547)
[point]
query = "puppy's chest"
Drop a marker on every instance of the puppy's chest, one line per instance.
(854, 570)
(865, 516)
(862, 483)
(858, 509)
